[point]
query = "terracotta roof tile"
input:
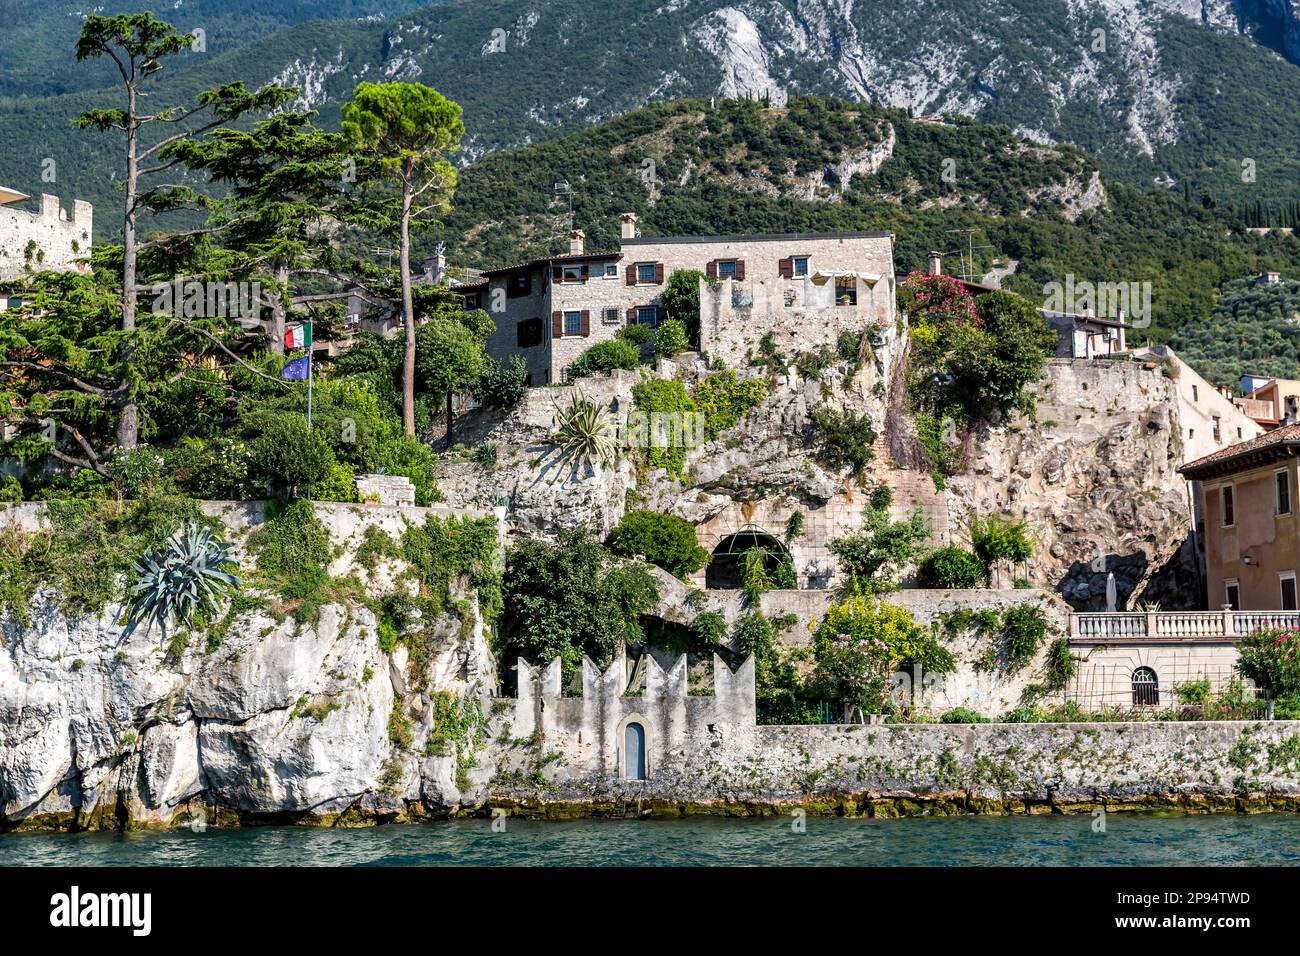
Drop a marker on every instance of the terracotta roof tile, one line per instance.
(1277, 438)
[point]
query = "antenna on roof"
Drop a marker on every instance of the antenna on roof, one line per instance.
(968, 256)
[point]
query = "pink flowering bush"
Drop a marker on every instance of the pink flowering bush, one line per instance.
(854, 670)
(936, 299)
(1271, 658)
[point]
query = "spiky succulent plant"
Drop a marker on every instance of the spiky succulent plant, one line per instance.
(586, 434)
(187, 575)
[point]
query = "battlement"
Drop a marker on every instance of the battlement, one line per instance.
(593, 730)
(47, 239)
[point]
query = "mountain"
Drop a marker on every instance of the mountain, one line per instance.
(37, 45)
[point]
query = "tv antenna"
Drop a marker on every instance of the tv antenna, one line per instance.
(968, 255)
(381, 251)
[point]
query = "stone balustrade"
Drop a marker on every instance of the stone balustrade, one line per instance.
(1118, 627)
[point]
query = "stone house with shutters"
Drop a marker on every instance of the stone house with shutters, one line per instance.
(803, 289)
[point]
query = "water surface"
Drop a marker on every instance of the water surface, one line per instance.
(1227, 840)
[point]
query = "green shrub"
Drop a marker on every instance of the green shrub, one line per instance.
(1023, 629)
(670, 339)
(963, 715)
(339, 485)
(664, 396)
(725, 400)
(664, 540)
(138, 473)
(291, 455)
(843, 439)
(292, 547)
(995, 539)
(635, 334)
(710, 628)
(604, 357)
(1193, 692)
(214, 469)
(11, 489)
(504, 386)
(1061, 665)
(950, 567)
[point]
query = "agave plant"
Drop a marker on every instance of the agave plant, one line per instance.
(586, 434)
(190, 573)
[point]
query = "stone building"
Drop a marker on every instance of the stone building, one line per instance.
(43, 240)
(800, 289)
(1251, 530)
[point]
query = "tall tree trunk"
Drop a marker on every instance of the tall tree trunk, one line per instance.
(449, 420)
(275, 334)
(128, 426)
(408, 312)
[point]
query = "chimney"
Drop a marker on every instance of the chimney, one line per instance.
(576, 238)
(435, 267)
(934, 263)
(628, 223)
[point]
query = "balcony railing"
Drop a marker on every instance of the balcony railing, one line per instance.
(1175, 626)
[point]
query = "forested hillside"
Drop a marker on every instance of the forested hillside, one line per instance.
(1255, 329)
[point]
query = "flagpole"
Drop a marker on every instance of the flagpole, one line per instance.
(310, 344)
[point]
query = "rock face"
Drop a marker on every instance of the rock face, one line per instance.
(281, 720)
(1094, 476)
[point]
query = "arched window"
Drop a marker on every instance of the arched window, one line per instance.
(1146, 689)
(725, 569)
(634, 752)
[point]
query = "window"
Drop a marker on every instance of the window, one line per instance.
(726, 268)
(1146, 689)
(1229, 514)
(609, 316)
(1281, 492)
(645, 272)
(1238, 434)
(1194, 395)
(519, 284)
(573, 273)
(648, 315)
(800, 265)
(473, 301)
(1191, 433)
(529, 332)
(611, 270)
(572, 323)
(1217, 432)
(1232, 594)
(846, 290)
(1287, 581)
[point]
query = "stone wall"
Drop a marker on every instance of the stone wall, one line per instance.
(892, 770)
(55, 240)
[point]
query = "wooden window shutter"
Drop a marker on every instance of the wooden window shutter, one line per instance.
(661, 314)
(631, 316)
(786, 268)
(584, 272)
(740, 269)
(557, 325)
(557, 273)
(659, 273)
(586, 323)
(631, 274)
(711, 270)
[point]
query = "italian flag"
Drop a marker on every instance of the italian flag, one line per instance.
(297, 336)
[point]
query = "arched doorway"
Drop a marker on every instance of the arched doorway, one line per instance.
(634, 751)
(724, 570)
(1146, 689)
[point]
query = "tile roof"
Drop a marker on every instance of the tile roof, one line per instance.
(1274, 442)
(547, 260)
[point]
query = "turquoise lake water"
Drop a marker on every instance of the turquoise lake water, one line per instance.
(1264, 840)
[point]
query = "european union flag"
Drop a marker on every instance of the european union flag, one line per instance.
(296, 369)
